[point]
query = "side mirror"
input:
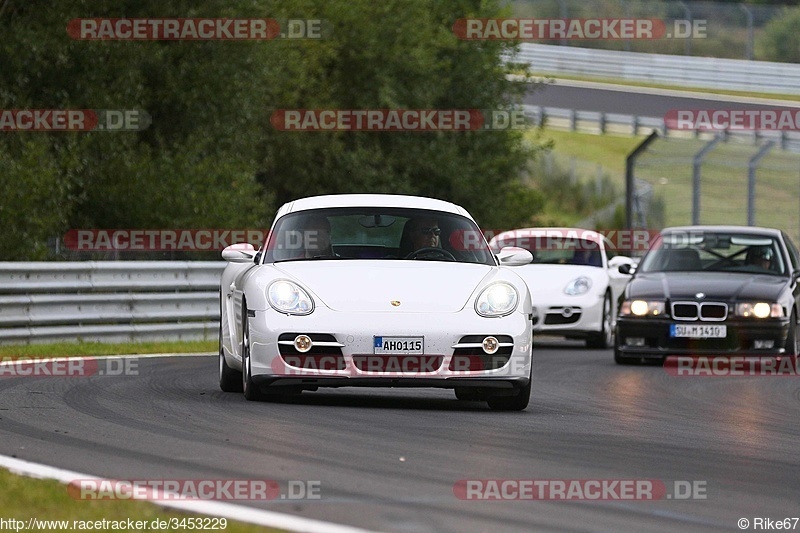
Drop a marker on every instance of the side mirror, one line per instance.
(239, 253)
(795, 275)
(513, 256)
(619, 260)
(628, 269)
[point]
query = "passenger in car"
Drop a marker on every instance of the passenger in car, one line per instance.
(419, 233)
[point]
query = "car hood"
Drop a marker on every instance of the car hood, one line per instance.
(372, 286)
(551, 279)
(715, 286)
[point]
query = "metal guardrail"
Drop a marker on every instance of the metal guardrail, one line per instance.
(699, 72)
(109, 301)
(599, 122)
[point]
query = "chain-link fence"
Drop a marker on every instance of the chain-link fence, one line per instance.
(729, 30)
(718, 180)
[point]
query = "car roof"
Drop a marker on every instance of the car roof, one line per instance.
(751, 230)
(371, 200)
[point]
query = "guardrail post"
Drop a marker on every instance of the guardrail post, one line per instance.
(751, 181)
(573, 120)
(697, 163)
(564, 10)
(635, 124)
(602, 122)
(688, 14)
(630, 184)
(627, 10)
(748, 48)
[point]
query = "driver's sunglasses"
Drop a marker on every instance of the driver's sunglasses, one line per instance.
(430, 231)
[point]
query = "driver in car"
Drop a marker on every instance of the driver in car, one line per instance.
(760, 256)
(425, 233)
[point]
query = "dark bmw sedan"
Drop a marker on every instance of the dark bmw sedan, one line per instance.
(711, 290)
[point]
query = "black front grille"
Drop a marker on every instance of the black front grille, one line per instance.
(713, 311)
(554, 319)
(475, 359)
(289, 349)
(708, 311)
(685, 311)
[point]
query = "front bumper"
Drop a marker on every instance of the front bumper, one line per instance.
(739, 340)
(346, 359)
(570, 316)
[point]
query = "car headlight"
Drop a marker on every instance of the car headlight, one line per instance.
(641, 308)
(288, 297)
(759, 310)
(497, 299)
(578, 286)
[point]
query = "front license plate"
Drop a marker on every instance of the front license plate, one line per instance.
(697, 331)
(398, 345)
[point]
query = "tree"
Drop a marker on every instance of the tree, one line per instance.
(210, 158)
(780, 40)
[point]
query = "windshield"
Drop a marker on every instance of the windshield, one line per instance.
(377, 233)
(556, 250)
(715, 252)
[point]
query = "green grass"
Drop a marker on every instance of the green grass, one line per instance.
(667, 165)
(589, 149)
(22, 498)
(616, 81)
(66, 349)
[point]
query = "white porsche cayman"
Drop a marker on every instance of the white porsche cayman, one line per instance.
(574, 280)
(376, 291)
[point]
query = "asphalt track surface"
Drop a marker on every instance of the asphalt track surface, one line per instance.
(632, 101)
(388, 459)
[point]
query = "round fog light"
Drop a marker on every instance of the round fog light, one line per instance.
(490, 345)
(302, 343)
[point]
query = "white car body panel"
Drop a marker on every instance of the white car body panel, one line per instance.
(547, 282)
(353, 301)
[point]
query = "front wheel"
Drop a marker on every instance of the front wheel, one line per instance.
(229, 379)
(250, 389)
(605, 337)
(513, 403)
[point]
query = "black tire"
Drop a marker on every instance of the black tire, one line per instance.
(791, 346)
(605, 337)
(230, 380)
(513, 403)
(251, 391)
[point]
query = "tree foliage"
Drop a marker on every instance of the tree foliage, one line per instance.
(781, 40)
(210, 158)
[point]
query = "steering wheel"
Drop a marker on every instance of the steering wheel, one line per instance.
(432, 252)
